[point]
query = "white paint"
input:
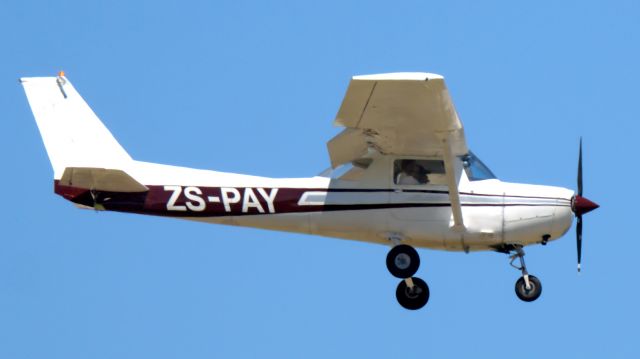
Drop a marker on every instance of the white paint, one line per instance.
(171, 203)
(227, 200)
(313, 198)
(250, 201)
(193, 194)
(72, 133)
(269, 198)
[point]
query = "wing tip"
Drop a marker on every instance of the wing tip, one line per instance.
(400, 76)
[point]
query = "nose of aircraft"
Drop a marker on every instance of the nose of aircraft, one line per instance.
(581, 205)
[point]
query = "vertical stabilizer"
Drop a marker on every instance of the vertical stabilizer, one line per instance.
(72, 134)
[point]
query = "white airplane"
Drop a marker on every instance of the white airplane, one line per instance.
(401, 175)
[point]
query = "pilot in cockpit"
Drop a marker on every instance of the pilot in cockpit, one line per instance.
(412, 173)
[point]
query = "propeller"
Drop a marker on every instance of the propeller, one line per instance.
(580, 205)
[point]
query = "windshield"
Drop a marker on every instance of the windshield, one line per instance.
(476, 170)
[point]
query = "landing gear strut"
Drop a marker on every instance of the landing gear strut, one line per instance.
(528, 287)
(403, 262)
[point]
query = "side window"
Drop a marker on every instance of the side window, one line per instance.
(418, 172)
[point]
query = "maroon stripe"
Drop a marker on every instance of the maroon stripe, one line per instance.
(158, 201)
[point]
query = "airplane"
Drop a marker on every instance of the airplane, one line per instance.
(401, 175)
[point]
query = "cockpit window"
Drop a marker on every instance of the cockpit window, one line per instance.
(418, 172)
(475, 169)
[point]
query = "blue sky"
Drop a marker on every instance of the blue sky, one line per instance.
(253, 87)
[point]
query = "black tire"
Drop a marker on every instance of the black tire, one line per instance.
(413, 298)
(531, 294)
(403, 261)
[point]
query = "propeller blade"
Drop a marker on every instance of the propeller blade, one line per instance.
(579, 239)
(580, 170)
(580, 206)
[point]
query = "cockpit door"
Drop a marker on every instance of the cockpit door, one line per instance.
(419, 189)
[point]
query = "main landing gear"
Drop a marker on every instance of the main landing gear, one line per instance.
(403, 262)
(412, 293)
(528, 287)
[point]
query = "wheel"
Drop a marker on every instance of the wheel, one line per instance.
(531, 294)
(415, 297)
(403, 261)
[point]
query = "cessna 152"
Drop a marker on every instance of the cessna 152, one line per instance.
(401, 175)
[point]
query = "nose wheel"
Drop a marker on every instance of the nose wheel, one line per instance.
(403, 262)
(530, 294)
(528, 287)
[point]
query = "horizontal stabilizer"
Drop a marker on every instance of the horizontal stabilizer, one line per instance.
(101, 179)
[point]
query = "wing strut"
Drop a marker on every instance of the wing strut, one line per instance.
(454, 195)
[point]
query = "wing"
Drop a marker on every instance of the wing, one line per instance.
(405, 114)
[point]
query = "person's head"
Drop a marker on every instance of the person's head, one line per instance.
(410, 166)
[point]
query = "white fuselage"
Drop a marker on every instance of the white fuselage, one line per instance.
(371, 209)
